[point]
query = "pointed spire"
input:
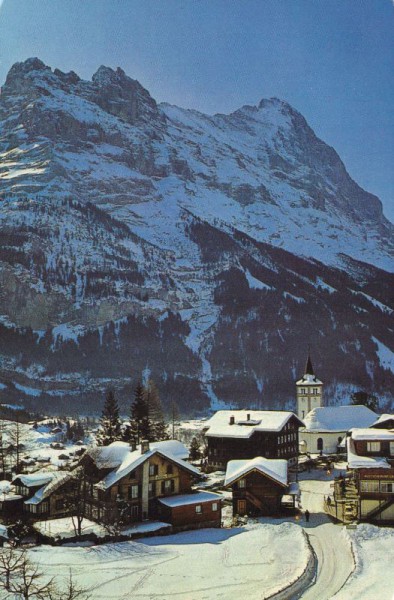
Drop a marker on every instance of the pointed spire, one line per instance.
(308, 367)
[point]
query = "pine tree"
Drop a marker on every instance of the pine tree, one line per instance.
(194, 450)
(157, 425)
(110, 430)
(139, 417)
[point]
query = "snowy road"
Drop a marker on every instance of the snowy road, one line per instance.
(334, 557)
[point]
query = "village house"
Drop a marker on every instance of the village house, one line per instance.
(201, 509)
(242, 434)
(366, 493)
(151, 482)
(259, 485)
(11, 503)
(326, 427)
(45, 494)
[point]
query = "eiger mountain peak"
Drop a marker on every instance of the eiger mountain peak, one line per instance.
(203, 248)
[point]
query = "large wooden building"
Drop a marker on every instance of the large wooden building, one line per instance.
(367, 491)
(127, 486)
(242, 434)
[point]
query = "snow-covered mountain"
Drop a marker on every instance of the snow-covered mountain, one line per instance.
(208, 250)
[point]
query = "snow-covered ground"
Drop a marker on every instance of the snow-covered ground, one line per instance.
(374, 550)
(197, 565)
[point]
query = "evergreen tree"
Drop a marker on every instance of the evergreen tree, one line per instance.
(368, 400)
(139, 417)
(110, 430)
(194, 450)
(157, 426)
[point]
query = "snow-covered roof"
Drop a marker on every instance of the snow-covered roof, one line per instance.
(275, 469)
(173, 447)
(59, 477)
(5, 486)
(185, 499)
(383, 419)
(110, 456)
(35, 479)
(339, 418)
(364, 462)
(309, 379)
(134, 459)
(246, 422)
(117, 453)
(373, 434)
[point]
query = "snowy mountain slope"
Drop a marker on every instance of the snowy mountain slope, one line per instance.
(150, 233)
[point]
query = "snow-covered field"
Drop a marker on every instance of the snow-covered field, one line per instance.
(196, 565)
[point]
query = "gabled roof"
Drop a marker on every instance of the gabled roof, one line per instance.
(364, 462)
(59, 478)
(244, 427)
(112, 456)
(275, 469)
(187, 499)
(338, 418)
(134, 459)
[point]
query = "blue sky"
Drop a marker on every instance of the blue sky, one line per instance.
(333, 60)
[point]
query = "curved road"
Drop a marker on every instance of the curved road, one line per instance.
(334, 557)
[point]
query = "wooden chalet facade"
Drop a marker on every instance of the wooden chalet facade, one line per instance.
(367, 491)
(259, 485)
(133, 491)
(233, 435)
(45, 494)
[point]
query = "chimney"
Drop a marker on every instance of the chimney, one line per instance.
(232, 420)
(144, 446)
(248, 416)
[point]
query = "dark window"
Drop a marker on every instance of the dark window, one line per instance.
(170, 469)
(320, 443)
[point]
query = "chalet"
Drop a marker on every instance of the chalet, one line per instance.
(367, 491)
(258, 485)
(327, 426)
(241, 434)
(46, 493)
(125, 485)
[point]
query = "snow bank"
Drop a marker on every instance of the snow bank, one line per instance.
(373, 550)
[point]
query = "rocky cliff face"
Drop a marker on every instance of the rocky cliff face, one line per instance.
(209, 250)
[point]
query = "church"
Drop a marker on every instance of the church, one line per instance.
(309, 391)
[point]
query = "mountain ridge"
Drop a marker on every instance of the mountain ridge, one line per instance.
(103, 192)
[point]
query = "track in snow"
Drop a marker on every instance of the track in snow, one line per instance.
(333, 553)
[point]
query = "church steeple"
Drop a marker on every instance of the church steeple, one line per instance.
(308, 367)
(309, 390)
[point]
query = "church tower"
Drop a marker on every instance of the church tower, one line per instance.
(309, 391)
